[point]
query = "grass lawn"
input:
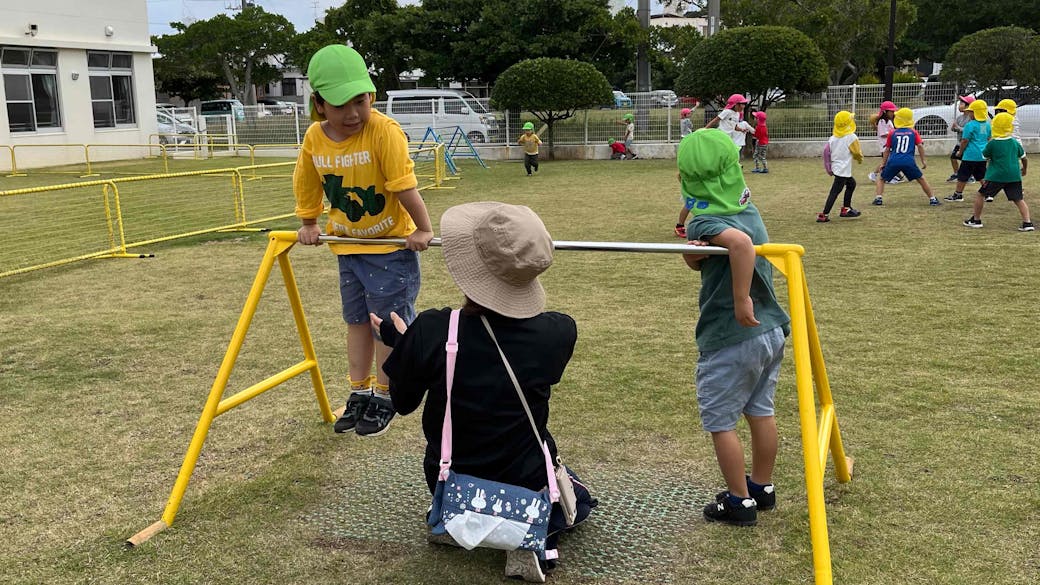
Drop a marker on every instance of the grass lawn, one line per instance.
(928, 331)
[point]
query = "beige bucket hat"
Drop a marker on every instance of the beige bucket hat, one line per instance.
(495, 252)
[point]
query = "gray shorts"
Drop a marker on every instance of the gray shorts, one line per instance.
(739, 379)
(378, 283)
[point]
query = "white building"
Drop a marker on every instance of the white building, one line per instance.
(74, 72)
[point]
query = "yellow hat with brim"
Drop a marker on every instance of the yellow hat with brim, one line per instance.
(1008, 106)
(339, 74)
(979, 109)
(844, 124)
(1003, 125)
(904, 118)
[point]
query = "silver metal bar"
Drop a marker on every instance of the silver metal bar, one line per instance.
(565, 245)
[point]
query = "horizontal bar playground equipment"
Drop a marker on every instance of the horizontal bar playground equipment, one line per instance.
(820, 433)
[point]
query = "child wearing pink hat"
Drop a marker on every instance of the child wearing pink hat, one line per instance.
(685, 123)
(730, 120)
(761, 143)
(883, 122)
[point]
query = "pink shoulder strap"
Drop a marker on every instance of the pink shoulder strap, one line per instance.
(452, 349)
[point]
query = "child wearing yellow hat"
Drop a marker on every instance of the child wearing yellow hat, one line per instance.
(973, 140)
(1009, 106)
(530, 141)
(842, 148)
(898, 157)
(1003, 173)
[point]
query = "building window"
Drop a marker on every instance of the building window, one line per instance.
(289, 87)
(31, 85)
(111, 89)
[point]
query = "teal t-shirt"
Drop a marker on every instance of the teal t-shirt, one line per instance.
(717, 327)
(1003, 155)
(977, 135)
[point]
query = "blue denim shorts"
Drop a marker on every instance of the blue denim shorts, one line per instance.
(739, 379)
(379, 283)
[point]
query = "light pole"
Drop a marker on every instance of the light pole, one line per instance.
(890, 65)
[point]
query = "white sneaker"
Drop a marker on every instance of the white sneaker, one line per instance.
(524, 564)
(872, 176)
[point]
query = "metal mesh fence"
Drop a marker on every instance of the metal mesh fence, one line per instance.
(797, 117)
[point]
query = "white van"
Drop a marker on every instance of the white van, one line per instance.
(442, 109)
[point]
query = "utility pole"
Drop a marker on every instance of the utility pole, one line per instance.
(890, 65)
(642, 65)
(713, 17)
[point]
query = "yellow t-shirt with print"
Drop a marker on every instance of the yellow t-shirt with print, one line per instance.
(359, 178)
(530, 143)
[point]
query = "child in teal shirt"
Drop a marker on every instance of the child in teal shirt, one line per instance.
(741, 329)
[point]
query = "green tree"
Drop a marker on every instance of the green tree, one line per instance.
(379, 30)
(480, 39)
(765, 62)
(669, 46)
(551, 89)
(240, 49)
(941, 23)
(179, 73)
(994, 57)
(852, 34)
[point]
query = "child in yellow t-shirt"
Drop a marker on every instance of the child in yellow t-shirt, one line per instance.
(357, 159)
(530, 141)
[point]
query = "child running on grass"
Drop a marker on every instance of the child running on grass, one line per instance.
(761, 143)
(843, 147)
(741, 329)
(899, 157)
(973, 140)
(1003, 173)
(882, 120)
(530, 141)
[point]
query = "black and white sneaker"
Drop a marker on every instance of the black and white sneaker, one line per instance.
(1027, 226)
(376, 417)
(357, 402)
(954, 197)
(723, 510)
(971, 222)
(989, 199)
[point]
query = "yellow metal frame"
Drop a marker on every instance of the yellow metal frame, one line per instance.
(277, 249)
(820, 432)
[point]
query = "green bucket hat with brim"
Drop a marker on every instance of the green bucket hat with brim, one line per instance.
(711, 179)
(339, 74)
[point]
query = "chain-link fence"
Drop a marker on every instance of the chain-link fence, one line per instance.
(798, 117)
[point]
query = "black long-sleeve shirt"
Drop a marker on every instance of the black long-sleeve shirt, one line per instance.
(492, 436)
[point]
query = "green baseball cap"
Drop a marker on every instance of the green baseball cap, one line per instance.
(711, 179)
(339, 74)
(528, 125)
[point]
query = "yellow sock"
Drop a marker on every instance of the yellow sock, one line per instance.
(362, 386)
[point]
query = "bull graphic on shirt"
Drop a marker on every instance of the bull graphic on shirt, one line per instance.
(355, 202)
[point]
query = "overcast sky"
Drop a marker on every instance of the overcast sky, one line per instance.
(300, 12)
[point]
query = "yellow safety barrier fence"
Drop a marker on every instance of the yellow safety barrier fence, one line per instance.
(820, 433)
(105, 218)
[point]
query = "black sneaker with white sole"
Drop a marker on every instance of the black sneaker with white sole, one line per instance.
(972, 222)
(1027, 226)
(357, 402)
(376, 417)
(954, 197)
(723, 510)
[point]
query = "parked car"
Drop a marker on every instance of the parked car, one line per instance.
(172, 130)
(621, 100)
(418, 109)
(274, 106)
(937, 120)
(663, 98)
(231, 107)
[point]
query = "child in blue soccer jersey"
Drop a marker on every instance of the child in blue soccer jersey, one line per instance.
(898, 157)
(741, 329)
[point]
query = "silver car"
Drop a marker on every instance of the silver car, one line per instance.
(936, 121)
